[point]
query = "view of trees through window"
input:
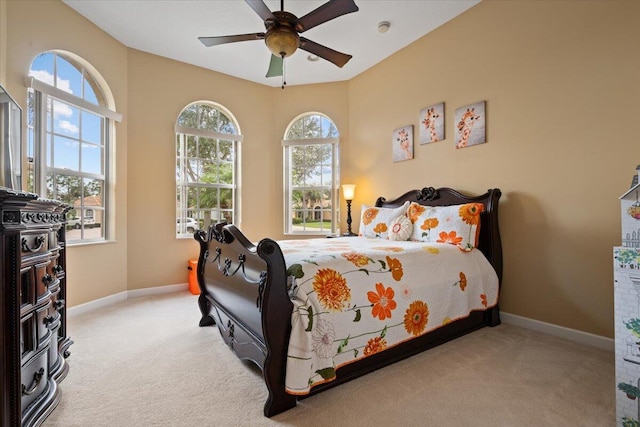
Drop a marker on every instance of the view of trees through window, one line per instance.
(206, 144)
(312, 157)
(67, 157)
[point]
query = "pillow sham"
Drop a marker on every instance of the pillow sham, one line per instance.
(376, 222)
(400, 228)
(456, 224)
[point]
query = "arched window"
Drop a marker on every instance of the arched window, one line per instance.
(311, 175)
(70, 125)
(207, 148)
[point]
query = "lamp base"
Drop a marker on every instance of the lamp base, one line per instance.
(349, 235)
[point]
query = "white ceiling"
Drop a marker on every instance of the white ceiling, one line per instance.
(170, 28)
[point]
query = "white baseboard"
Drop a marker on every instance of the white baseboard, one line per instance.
(123, 296)
(559, 331)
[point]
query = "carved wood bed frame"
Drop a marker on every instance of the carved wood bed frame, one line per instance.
(243, 289)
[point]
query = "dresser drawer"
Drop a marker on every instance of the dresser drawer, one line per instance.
(35, 375)
(45, 322)
(33, 243)
(34, 284)
(28, 340)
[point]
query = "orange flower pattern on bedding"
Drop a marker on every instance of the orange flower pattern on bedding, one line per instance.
(462, 282)
(470, 213)
(416, 318)
(451, 238)
(380, 228)
(396, 268)
(375, 345)
(354, 298)
(369, 215)
(382, 301)
(332, 290)
(414, 212)
(357, 259)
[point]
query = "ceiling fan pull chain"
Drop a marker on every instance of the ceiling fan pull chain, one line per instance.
(284, 72)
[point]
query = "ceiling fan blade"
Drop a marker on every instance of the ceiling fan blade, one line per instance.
(275, 66)
(214, 41)
(261, 9)
(328, 11)
(324, 52)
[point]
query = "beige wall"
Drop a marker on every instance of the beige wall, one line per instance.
(561, 85)
(562, 88)
(94, 271)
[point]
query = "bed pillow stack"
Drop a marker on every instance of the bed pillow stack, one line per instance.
(457, 224)
(377, 222)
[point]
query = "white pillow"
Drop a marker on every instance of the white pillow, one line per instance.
(375, 222)
(456, 224)
(400, 228)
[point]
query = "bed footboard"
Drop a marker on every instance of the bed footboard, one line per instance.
(243, 290)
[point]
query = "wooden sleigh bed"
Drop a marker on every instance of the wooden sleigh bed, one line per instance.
(244, 290)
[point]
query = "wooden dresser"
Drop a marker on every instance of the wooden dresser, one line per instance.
(33, 333)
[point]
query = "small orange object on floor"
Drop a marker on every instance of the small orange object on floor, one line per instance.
(193, 276)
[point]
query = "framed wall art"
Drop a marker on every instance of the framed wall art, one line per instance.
(470, 125)
(431, 124)
(402, 143)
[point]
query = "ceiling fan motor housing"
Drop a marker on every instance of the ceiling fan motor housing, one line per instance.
(281, 38)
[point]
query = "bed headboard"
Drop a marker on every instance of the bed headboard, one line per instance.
(490, 243)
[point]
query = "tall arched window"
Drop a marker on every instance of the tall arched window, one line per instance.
(311, 175)
(70, 124)
(207, 149)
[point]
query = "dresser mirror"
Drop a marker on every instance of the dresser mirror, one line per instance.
(10, 142)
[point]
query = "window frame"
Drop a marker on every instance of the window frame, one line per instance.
(39, 165)
(288, 144)
(182, 185)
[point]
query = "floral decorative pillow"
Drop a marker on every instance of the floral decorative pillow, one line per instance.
(376, 222)
(456, 224)
(400, 228)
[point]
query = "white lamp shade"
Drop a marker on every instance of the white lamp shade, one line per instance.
(348, 191)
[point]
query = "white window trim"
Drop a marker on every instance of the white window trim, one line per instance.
(335, 212)
(205, 133)
(69, 98)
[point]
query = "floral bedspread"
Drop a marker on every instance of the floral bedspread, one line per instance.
(355, 296)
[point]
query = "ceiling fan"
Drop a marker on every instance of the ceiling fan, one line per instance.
(283, 33)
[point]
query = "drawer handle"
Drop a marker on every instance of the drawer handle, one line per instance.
(47, 279)
(39, 241)
(37, 377)
(57, 269)
(58, 304)
(48, 321)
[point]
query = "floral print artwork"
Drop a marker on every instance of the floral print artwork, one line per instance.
(353, 298)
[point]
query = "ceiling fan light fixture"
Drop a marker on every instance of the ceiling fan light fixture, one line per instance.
(282, 41)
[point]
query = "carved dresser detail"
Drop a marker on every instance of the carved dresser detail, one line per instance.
(33, 333)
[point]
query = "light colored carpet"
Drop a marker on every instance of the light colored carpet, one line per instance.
(145, 362)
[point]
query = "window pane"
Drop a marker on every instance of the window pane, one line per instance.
(226, 198)
(206, 148)
(192, 197)
(66, 119)
(191, 146)
(192, 170)
(226, 173)
(91, 127)
(93, 190)
(42, 68)
(225, 151)
(89, 93)
(68, 189)
(69, 77)
(208, 198)
(209, 172)
(66, 153)
(92, 159)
